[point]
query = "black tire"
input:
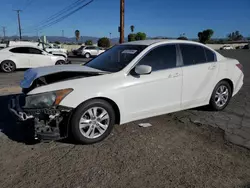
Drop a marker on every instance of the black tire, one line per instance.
(87, 55)
(60, 62)
(75, 129)
(213, 104)
(10, 64)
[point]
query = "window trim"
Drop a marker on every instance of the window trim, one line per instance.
(178, 58)
(35, 49)
(215, 56)
(182, 62)
(18, 47)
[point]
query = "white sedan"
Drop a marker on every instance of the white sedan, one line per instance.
(16, 57)
(129, 82)
(226, 47)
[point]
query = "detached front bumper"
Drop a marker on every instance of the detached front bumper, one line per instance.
(49, 123)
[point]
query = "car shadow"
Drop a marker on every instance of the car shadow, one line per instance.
(203, 108)
(14, 130)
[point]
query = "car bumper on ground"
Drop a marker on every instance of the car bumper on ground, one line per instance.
(49, 123)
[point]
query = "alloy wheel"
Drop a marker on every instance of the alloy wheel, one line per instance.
(7, 66)
(94, 122)
(221, 96)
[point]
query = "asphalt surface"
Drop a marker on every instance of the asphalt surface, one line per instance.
(177, 151)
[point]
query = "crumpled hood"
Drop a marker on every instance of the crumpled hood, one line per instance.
(32, 74)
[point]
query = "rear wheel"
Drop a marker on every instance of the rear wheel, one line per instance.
(60, 62)
(221, 96)
(8, 66)
(92, 121)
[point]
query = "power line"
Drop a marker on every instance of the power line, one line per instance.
(62, 11)
(28, 3)
(56, 15)
(65, 16)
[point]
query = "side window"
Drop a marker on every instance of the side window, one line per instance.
(211, 57)
(192, 54)
(163, 57)
(34, 51)
(19, 50)
(88, 48)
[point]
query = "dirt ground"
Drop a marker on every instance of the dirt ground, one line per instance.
(171, 153)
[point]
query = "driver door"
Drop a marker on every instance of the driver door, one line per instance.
(156, 93)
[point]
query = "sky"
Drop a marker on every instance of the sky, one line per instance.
(167, 18)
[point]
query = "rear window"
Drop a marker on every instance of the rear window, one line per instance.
(192, 54)
(210, 55)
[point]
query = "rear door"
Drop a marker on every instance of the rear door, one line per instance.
(98, 51)
(94, 51)
(199, 74)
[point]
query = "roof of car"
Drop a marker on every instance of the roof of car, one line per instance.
(150, 42)
(25, 46)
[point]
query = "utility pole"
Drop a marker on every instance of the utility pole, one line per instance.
(4, 32)
(19, 23)
(121, 28)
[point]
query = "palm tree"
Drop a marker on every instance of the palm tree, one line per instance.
(132, 28)
(77, 34)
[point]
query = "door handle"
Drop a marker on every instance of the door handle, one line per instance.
(212, 67)
(176, 75)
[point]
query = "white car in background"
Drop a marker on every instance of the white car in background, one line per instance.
(226, 47)
(90, 51)
(129, 82)
(50, 48)
(54, 48)
(16, 57)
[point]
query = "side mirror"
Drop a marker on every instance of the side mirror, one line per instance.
(143, 69)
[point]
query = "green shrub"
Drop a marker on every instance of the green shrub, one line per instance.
(104, 42)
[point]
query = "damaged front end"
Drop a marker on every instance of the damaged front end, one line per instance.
(50, 120)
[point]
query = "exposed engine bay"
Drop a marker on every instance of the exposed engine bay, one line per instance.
(49, 123)
(57, 77)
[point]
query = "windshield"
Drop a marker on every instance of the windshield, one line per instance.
(81, 48)
(116, 58)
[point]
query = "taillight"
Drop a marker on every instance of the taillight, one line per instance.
(240, 66)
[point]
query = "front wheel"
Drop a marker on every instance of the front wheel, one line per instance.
(92, 121)
(8, 66)
(60, 62)
(221, 96)
(87, 55)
